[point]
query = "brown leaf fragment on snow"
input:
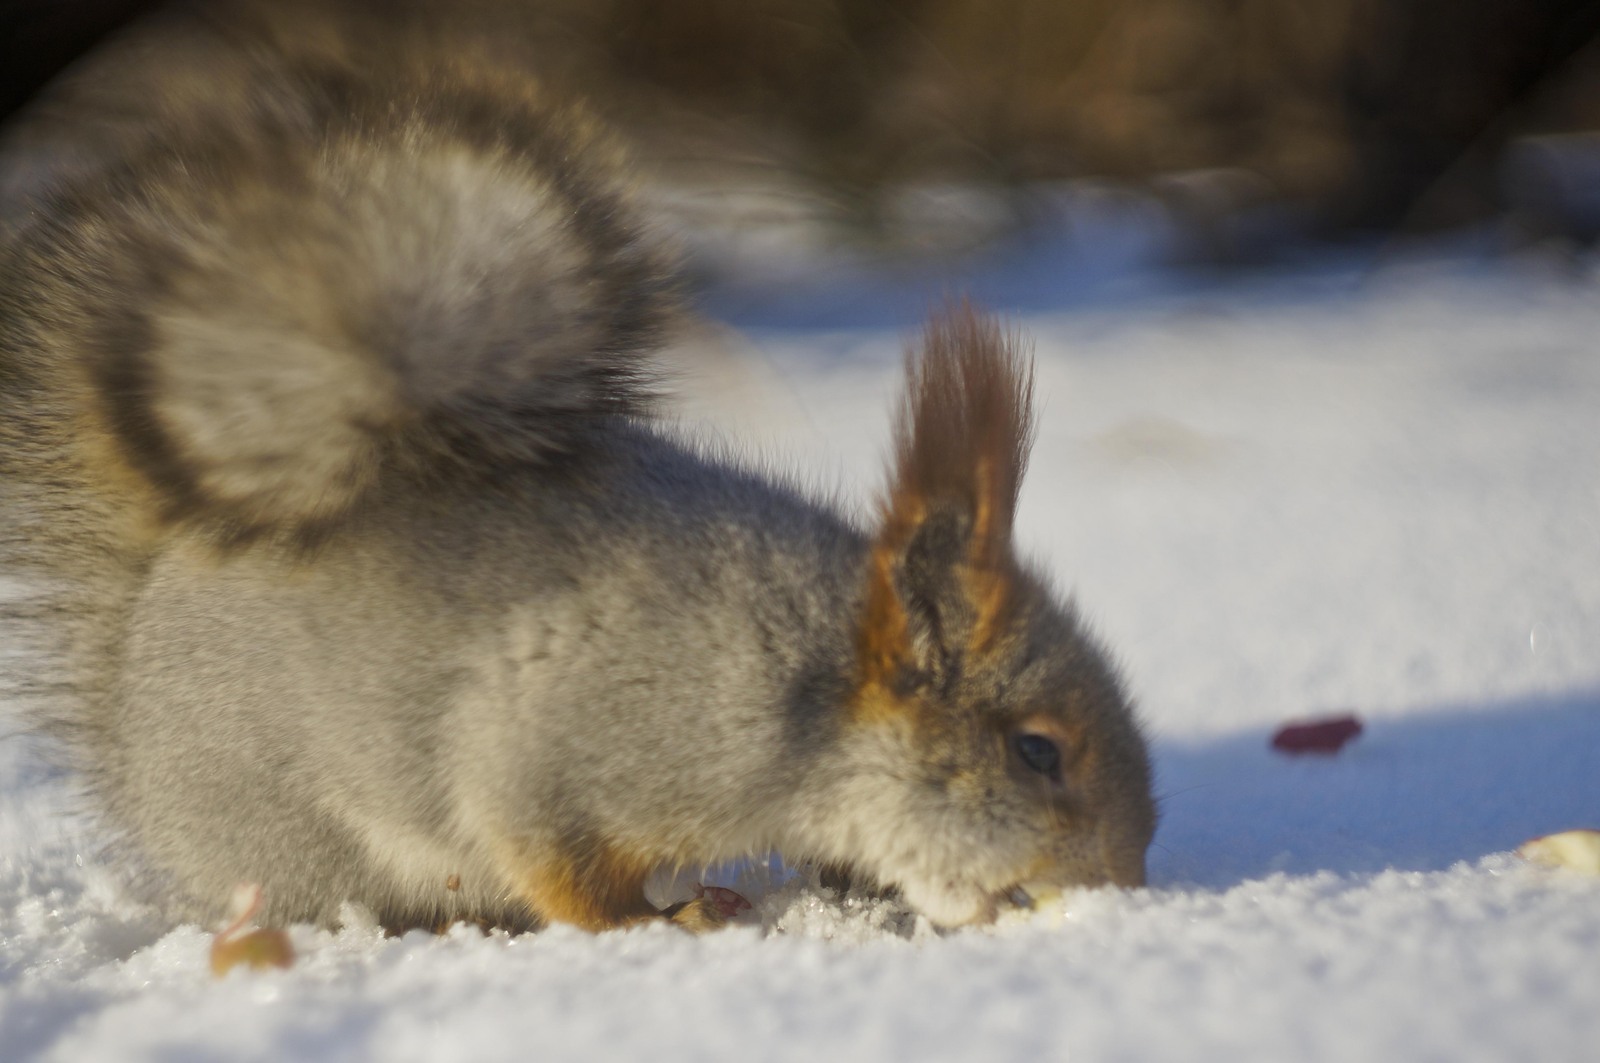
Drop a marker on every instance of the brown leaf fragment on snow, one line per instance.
(238, 944)
(1575, 849)
(1324, 736)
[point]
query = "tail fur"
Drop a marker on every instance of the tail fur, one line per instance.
(265, 322)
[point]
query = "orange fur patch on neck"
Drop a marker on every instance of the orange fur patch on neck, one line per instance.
(884, 642)
(877, 703)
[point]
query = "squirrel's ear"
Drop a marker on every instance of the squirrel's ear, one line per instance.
(942, 575)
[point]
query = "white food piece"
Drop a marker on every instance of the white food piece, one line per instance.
(1577, 849)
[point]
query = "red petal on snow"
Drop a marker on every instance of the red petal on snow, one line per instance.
(1316, 736)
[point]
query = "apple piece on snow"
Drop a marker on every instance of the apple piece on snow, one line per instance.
(1576, 849)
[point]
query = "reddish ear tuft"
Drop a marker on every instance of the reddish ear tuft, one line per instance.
(942, 572)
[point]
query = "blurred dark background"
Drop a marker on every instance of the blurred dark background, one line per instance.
(1391, 116)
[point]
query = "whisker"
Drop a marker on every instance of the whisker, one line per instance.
(1163, 798)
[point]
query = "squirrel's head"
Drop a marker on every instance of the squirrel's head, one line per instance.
(996, 753)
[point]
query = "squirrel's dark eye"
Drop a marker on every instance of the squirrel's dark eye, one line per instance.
(1039, 754)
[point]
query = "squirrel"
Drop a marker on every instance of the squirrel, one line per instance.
(364, 570)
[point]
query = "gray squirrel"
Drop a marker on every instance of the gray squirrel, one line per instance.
(363, 573)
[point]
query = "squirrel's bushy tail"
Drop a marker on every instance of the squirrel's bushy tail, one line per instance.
(255, 320)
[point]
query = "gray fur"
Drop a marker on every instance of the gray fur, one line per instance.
(366, 577)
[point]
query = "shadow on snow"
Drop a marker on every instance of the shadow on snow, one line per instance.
(1415, 793)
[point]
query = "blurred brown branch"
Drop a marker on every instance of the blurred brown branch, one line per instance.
(1363, 113)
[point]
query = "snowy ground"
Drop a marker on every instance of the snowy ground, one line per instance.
(1373, 490)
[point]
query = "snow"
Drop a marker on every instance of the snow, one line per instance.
(1368, 487)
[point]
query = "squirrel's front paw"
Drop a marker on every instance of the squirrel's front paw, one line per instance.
(711, 909)
(696, 916)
